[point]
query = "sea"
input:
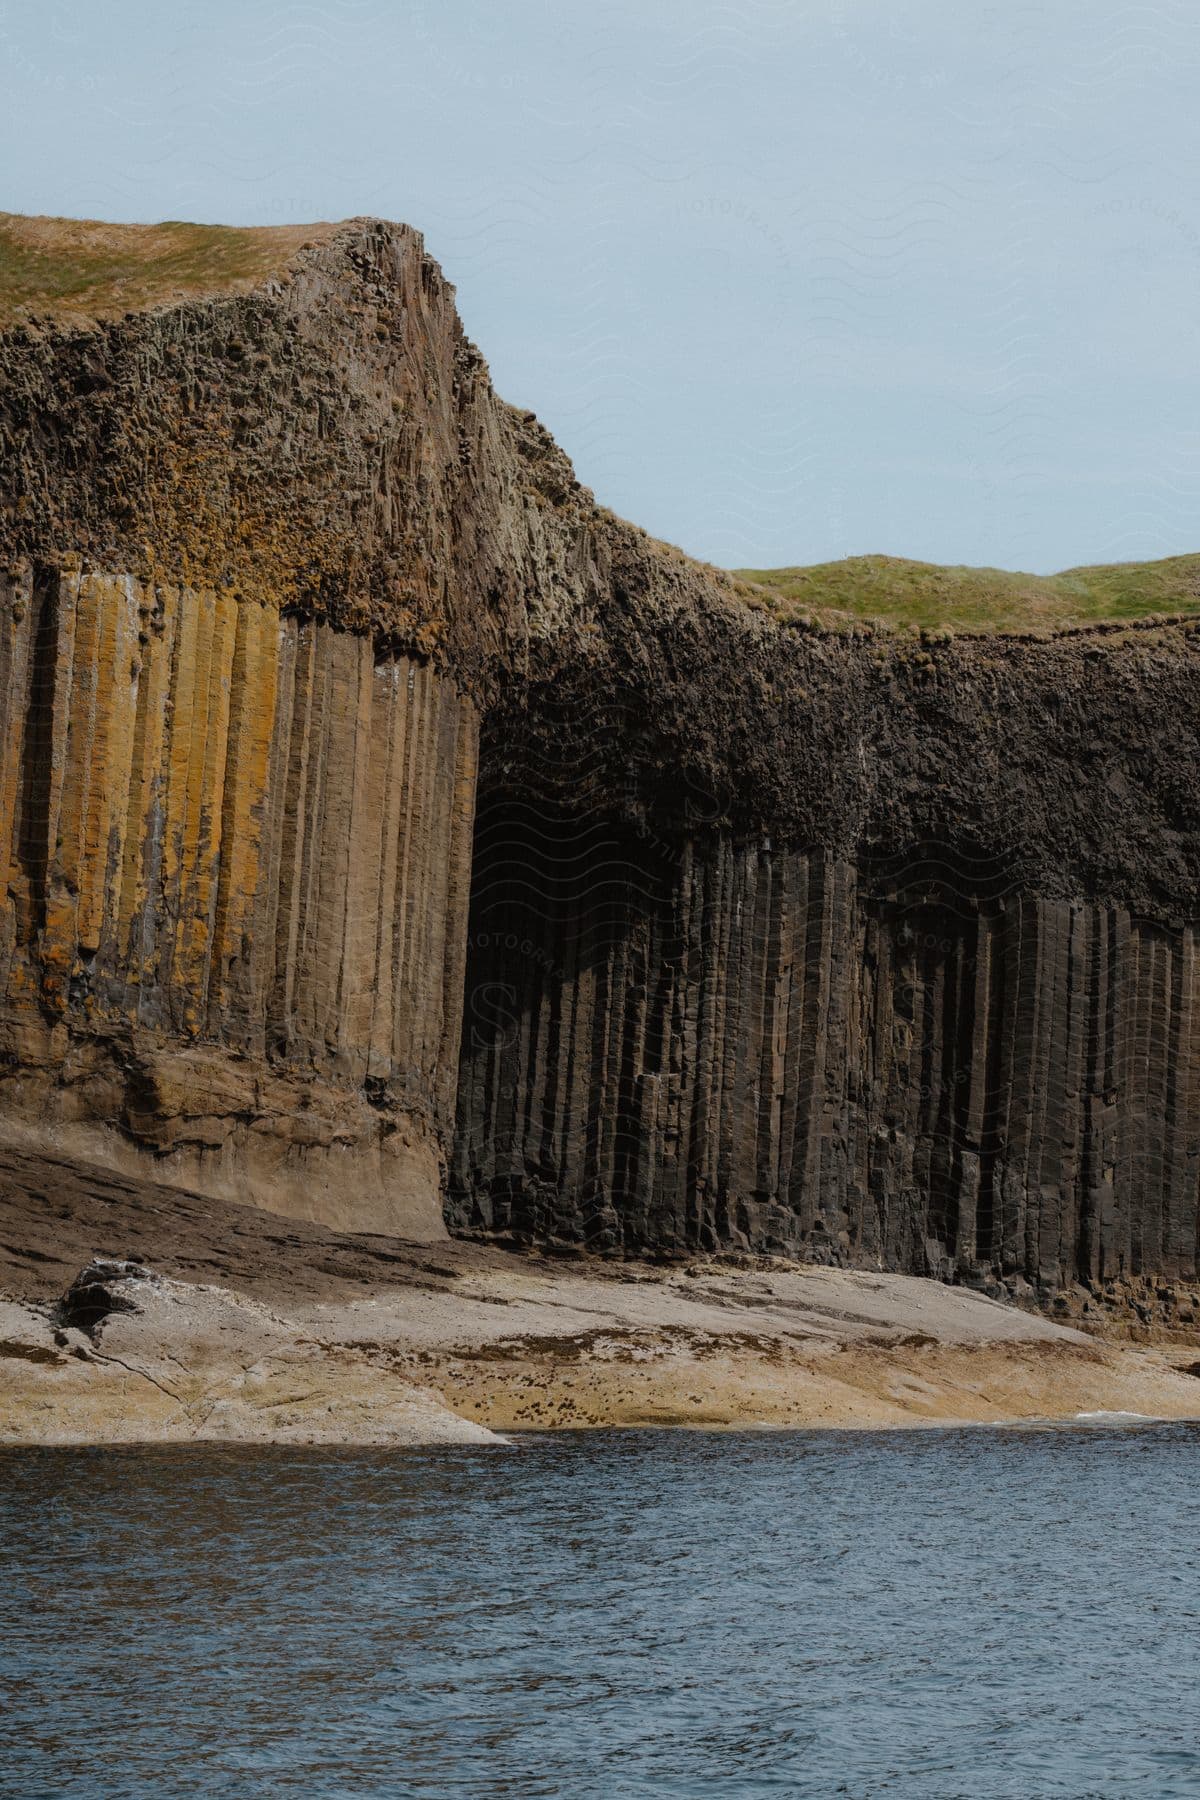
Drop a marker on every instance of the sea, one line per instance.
(608, 1614)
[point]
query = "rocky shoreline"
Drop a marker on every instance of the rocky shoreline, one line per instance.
(299, 1337)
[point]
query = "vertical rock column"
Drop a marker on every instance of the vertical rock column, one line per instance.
(225, 831)
(765, 1049)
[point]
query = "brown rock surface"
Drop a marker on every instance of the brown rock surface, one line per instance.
(804, 941)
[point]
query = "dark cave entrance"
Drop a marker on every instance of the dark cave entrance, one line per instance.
(675, 1041)
(564, 1023)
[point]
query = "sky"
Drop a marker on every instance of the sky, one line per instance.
(788, 279)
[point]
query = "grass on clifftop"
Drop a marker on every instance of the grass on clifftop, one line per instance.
(916, 594)
(80, 267)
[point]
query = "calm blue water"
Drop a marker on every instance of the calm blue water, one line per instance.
(964, 1613)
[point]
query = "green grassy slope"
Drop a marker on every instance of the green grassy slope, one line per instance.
(927, 595)
(86, 268)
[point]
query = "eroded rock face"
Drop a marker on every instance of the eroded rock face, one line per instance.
(734, 1045)
(239, 851)
(917, 988)
(785, 939)
(105, 1286)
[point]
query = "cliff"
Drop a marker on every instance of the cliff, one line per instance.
(389, 828)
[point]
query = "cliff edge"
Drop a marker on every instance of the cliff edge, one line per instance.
(393, 834)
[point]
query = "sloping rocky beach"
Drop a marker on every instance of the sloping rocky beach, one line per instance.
(134, 1313)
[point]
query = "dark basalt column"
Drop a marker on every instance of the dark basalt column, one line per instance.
(695, 1044)
(774, 932)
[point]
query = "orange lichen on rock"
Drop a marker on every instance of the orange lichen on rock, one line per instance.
(235, 832)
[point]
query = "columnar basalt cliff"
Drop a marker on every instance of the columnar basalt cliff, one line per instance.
(390, 828)
(239, 856)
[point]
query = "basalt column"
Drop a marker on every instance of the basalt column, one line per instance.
(719, 1044)
(788, 930)
(237, 851)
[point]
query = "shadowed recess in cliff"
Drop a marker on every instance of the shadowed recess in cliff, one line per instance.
(676, 1041)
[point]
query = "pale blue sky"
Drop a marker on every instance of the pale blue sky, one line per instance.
(788, 281)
